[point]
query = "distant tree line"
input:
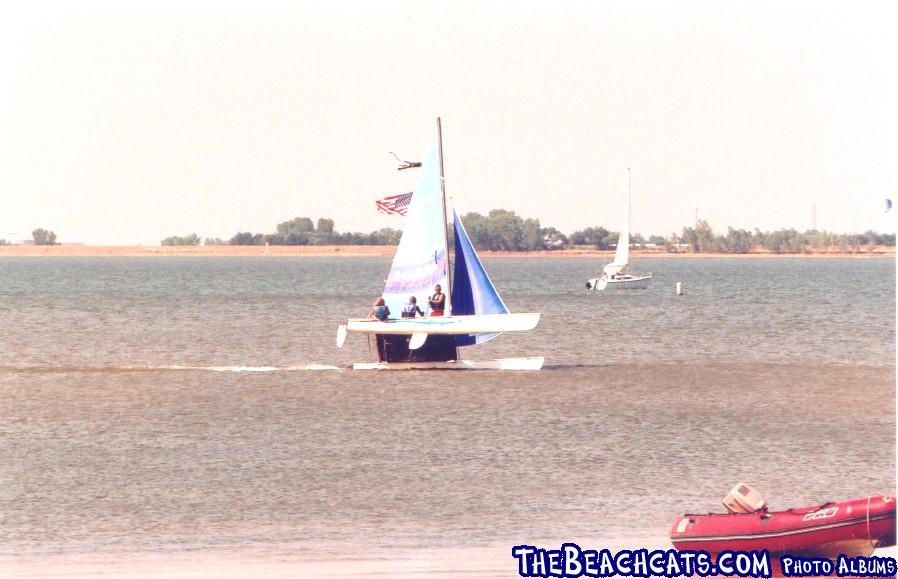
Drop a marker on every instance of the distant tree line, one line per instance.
(303, 231)
(503, 230)
(298, 231)
(192, 239)
(601, 238)
(702, 239)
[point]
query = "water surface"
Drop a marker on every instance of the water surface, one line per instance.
(155, 407)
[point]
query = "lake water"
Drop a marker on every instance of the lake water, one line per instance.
(195, 413)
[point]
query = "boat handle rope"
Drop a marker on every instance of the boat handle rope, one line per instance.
(795, 511)
(869, 538)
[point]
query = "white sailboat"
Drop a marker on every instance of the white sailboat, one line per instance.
(474, 312)
(617, 274)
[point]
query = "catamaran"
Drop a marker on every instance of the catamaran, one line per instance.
(474, 311)
(617, 275)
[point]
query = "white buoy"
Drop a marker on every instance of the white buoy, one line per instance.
(679, 288)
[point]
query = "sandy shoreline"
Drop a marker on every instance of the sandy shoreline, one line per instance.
(370, 251)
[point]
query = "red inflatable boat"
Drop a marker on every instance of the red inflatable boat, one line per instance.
(853, 528)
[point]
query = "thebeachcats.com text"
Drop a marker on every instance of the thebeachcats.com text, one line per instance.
(573, 561)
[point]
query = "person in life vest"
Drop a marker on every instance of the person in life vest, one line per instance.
(437, 301)
(411, 308)
(380, 310)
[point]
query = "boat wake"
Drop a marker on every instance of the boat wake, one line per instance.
(171, 368)
(309, 367)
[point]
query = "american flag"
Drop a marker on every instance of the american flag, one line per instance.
(394, 204)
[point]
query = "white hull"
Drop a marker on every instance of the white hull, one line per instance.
(446, 325)
(625, 282)
(518, 364)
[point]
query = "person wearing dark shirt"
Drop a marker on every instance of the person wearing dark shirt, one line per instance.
(437, 301)
(411, 309)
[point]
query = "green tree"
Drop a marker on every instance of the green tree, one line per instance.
(691, 237)
(298, 238)
(325, 226)
(596, 236)
(246, 238)
(191, 239)
(324, 233)
(385, 236)
(297, 225)
(43, 237)
(505, 230)
(705, 237)
(531, 236)
(478, 229)
(738, 240)
(782, 241)
(351, 238)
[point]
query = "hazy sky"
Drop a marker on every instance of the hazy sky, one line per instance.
(127, 122)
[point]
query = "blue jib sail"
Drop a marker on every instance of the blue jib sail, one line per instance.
(472, 291)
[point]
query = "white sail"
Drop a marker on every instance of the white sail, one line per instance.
(622, 254)
(421, 261)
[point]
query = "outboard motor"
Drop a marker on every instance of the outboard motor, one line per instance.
(744, 499)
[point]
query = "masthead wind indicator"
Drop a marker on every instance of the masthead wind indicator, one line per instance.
(405, 164)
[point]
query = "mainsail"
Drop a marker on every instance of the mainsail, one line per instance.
(472, 291)
(622, 254)
(420, 261)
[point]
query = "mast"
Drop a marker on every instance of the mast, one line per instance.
(628, 220)
(445, 221)
(628, 198)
